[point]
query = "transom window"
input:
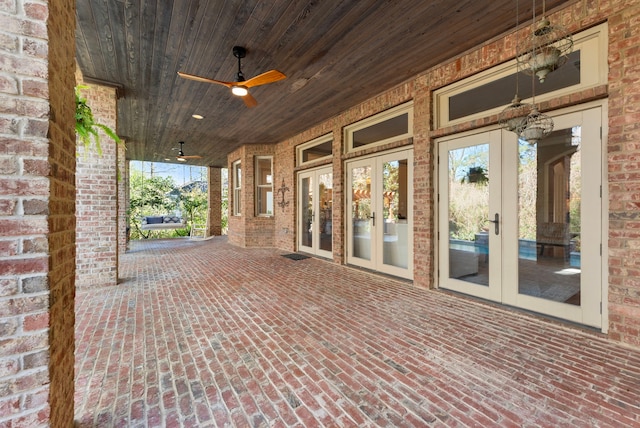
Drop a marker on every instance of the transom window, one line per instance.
(385, 127)
(314, 150)
(491, 91)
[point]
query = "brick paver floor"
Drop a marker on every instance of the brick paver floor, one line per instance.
(202, 333)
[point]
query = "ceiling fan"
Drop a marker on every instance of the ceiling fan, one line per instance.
(240, 87)
(181, 156)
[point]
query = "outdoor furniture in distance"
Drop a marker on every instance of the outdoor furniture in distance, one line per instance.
(198, 231)
(161, 222)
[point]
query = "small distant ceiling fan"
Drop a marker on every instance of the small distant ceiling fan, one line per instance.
(181, 156)
(240, 86)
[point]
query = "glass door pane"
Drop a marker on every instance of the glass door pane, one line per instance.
(361, 212)
(325, 195)
(470, 215)
(306, 212)
(380, 205)
(395, 213)
(549, 231)
(554, 243)
(468, 229)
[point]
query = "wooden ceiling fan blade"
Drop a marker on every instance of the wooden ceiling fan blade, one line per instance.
(204, 79)
(190, 157)
(264, 78)
(249, 101)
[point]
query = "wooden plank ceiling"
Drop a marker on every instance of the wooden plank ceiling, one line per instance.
(335, 54)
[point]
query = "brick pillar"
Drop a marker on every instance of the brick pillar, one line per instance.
(97, 197)
(125, 202)
(37, 248)
(215, 201)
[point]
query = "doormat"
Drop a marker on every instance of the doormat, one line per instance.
(294, 256)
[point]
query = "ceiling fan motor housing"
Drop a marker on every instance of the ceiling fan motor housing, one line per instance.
(239, 52)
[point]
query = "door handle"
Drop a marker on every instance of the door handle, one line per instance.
(496, 223)
(373, 217)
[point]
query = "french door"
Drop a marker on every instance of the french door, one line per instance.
(521, 223)
(379, 213)
(315, 212)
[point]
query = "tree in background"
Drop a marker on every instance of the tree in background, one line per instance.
(194, 206)
(149, 196)
(153, 192)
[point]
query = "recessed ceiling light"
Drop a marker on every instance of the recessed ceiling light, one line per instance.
(197, 116)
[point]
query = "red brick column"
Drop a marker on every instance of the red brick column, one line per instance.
(37, 248)
(215, 201)
(624, 173)
(122, 181)
(98, 191)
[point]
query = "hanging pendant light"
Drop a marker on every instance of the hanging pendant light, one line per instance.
(535, 127)
(546, 49)
(514, 116)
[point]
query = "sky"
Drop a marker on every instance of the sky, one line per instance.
(181, 173)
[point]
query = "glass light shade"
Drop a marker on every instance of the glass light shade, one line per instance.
(545, 50)
(240, 91)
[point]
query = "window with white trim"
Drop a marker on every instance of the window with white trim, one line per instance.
(315, 150)
(264, 185)
(390, 125)
(490, 91)
(237, 188)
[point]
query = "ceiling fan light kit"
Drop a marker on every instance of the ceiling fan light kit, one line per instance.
(240, 87)
(239, 91)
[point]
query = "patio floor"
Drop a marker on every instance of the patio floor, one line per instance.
(202, 333)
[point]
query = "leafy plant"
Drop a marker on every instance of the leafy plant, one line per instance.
(194, 206)
(86, 126)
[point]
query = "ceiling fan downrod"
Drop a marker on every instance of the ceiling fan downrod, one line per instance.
(239, 52)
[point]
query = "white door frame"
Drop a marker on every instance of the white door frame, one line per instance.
(315, 248)
(593, 308)
(375, 260)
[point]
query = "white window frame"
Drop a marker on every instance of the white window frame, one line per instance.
(237, 187)
(260, 186)
(591, 43)
(309, 144)
(373, 120)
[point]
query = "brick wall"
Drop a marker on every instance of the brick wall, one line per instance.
(122, 171)
(624, 170)
(285, 167)
(98, 191)
(623, 146)
(37, 163)
(236, 233)
(623, 140)
(248, 230)
(215, 201)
